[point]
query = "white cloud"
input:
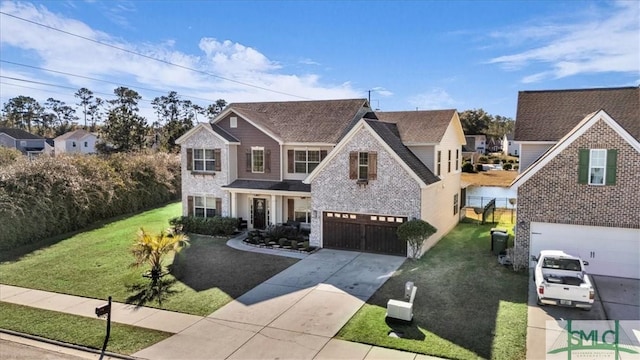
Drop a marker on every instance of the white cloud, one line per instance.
(308, 62)
(599, 42)
(50, 49)
(433, 99)
(382, 91)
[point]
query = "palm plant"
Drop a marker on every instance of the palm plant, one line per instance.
(151, 249)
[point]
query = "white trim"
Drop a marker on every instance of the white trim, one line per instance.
(246, 118)
(603, 167)
(258, 148)
(197, 128)
(537, 142)
(362, 124)
(265, 192)
(579, 130)
(420, 143)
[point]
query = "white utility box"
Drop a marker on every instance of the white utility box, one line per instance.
(402, 310)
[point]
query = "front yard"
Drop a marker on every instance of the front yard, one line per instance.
(95, 263)
(467, 305)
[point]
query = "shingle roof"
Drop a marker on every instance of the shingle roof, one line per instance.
(222, 132)
(304, 121)
(19, 134)
(73, 135)
(389, 132)
(426, 126)
(286, 185)
(549, 115)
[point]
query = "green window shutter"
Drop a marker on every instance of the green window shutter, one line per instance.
(612, 162)
(583, 166)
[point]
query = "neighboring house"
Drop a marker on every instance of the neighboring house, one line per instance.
(76, 142)
(330, 165)
(476, 143)
(494, 144)
(581, 195)
(29, 144)
(49, 146)
(509, 146)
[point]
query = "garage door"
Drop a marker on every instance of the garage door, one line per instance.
(609, 251)
(363, 232)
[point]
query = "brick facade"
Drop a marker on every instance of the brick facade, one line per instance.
(394, 192)
(553, 194)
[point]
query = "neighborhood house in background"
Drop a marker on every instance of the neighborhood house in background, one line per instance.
(29, 144)
(349, 175)
(578, 186)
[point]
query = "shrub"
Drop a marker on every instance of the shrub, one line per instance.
(9, 156)
(50, 196)
(496, 161)
(516, 167)
(507, 166)
(214, 226)
(415, 232)
(282, 231)
(467, 167)
(510, 161)
(483, 160)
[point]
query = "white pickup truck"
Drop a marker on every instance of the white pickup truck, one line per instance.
(561, 279)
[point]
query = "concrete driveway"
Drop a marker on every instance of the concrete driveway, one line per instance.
(616, 299)
(293, 315)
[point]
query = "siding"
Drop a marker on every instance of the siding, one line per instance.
(250, 136)
(529, 153)
(553, 194)
(7, 141)
(426, 154)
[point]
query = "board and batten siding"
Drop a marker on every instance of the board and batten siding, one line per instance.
(251, 136)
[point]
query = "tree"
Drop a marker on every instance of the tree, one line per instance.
(414, 233)
(475, 121)
(62, 117)
(151, 249)
(85, 95)
(175, 117)
(95, 112)
(124, 129)
(214, 109)
(22, 112)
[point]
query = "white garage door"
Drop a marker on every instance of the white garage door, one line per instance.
(609, 251)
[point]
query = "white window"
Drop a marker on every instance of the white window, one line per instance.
(363, 166)
(204, 206)
(203, 160)
(302, 210)
(439, 162)
(306, 160)
(597, 166)
(457, 158)
(23, 143)
(257, 159)
(233, 122)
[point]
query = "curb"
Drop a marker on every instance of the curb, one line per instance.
(67, 345)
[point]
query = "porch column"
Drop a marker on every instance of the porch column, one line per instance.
(272, 218)
(234, 206)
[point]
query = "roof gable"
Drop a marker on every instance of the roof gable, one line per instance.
(20, 134)
(388, 135)
(549, 115)
(570, 137)
(419, 127)
(321, 121)
(213, 129)
(74, 135)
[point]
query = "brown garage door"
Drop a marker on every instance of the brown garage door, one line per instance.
(363, 232)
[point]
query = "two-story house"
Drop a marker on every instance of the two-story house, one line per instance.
(331, 165)
(29, 144)
(75, 142)
(578, 187)
(476, 143)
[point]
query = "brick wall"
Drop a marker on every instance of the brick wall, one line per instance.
(553, 194)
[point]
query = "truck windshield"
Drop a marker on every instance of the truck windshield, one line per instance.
(561, 264)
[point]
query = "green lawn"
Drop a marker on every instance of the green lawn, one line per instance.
(73, 329)
(467, 305)
(95, 264)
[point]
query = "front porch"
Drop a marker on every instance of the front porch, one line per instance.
(264, 203)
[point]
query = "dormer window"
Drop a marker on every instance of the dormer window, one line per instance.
(233, 122)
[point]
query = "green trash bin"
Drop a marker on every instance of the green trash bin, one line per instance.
(499, 242)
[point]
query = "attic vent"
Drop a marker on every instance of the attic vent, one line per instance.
(233, 122)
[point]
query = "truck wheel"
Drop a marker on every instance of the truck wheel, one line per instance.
(538, 301)
(586, 309)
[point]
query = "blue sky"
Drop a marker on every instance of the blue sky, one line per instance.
(411, 54)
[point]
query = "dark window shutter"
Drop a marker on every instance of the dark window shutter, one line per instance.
(290, 209)
(290, 159)
(219, 206)
(267, 161)
(373, 166)
(189, 159)
(190, 205)
(323, 154)
(353, 165)
(583, 166)
(248, 160)
(217, 159)
(612, 166)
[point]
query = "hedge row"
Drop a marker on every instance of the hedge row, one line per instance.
(48, 196)
(214, 226)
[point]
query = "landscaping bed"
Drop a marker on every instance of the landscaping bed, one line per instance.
(96, 264)
(467, 305)
(286, 237)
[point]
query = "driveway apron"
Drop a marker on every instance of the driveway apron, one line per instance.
(292, 315)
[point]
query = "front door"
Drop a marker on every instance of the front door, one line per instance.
(259, 213)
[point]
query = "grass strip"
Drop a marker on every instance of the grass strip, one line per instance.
(78, 330)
